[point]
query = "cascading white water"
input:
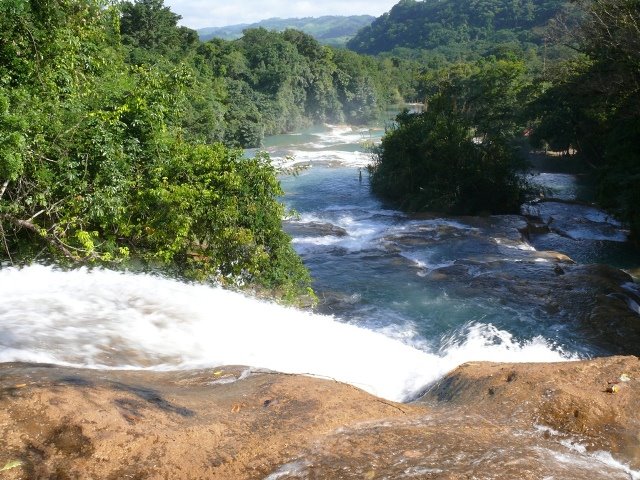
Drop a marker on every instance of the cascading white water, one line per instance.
(104, 319)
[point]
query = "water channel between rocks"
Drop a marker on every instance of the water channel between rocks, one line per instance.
(403, 299)
(505, 288)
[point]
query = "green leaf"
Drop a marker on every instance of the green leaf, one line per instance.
(10, 465)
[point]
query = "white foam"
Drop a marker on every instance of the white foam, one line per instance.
(363, 232)
(485, 342)
(523, 246)
(304, 245)
(435, 224)
(337, 145)
(422, 260)
(295, 469)
(104, 319)
(336, 134)
(578, 222)
(321, 157)
(599, 456)
(585, 455)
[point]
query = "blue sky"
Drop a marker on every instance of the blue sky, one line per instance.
(217, 13)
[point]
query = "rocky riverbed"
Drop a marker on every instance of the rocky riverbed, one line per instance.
(570, 420)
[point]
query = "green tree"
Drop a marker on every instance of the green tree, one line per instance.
(431, 162)
(460, 155)
(150, 29)
(461, 30)
(593, 104)
(98, 166)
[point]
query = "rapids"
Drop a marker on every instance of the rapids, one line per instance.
(403, 299)
(105, 319)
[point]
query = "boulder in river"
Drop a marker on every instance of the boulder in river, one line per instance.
(314, 229)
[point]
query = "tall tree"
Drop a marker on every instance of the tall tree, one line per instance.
(152, 27)
(594, 105)
(458, 156)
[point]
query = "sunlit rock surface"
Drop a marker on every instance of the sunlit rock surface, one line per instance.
(571, 420)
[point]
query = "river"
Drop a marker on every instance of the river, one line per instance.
(474, 284)
(403, 299)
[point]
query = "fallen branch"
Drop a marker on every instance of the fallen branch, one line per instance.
(4, 241)
(4, 188)
(54, 242)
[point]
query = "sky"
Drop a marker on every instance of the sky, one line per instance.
(218, 13)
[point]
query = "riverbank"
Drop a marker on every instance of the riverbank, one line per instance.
(484, 420)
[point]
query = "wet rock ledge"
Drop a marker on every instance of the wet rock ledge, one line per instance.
(502, 421)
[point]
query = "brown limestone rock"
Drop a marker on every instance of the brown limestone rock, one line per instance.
(570, 398)
(483, 420)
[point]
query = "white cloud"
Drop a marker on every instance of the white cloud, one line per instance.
(217, 13)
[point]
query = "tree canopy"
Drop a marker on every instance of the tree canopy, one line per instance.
(100, 160)
(576, 91)
(119, 129)
(459, 29)
(458, 155)
(592, 103)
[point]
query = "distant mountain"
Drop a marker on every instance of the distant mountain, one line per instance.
(329, 30)
(457, 27)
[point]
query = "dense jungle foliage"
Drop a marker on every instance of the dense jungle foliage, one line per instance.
(117, 136)
(264, 83)
(592, 102)
(584, 98)
(119, 129)
(460, 154)
(460, 29)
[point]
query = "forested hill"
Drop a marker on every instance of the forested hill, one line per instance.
(329, 30)
(457, 27)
